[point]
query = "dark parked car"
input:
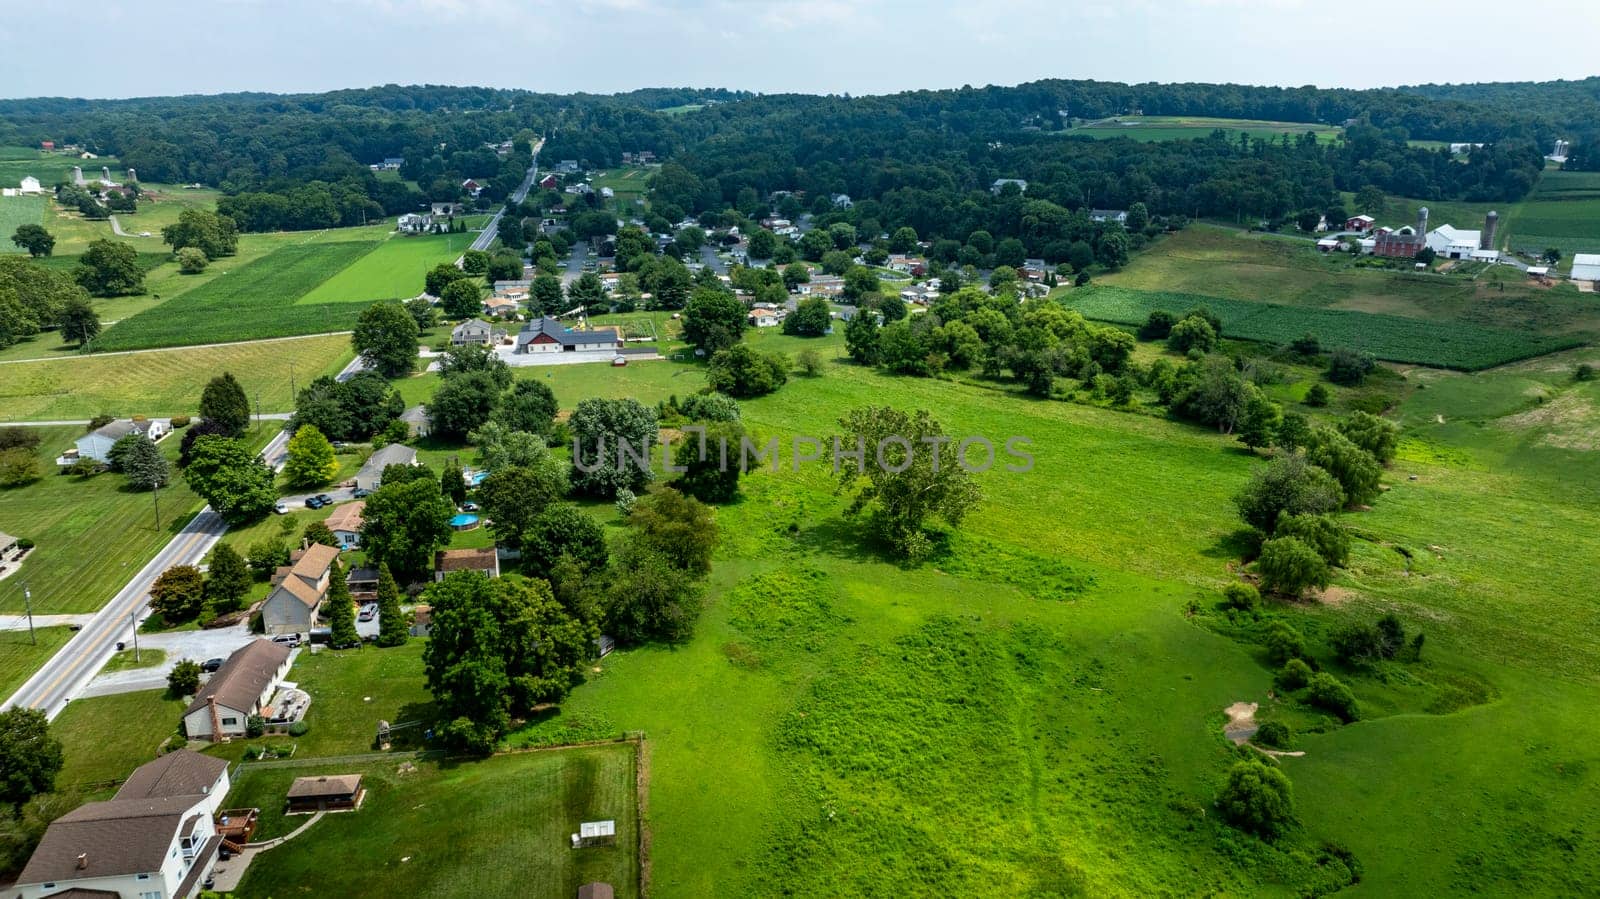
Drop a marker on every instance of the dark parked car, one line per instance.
(211, 665)
(313, 503)
(325, 499)
(361, 493)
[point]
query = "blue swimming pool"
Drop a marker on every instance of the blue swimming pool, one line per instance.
(464, 522)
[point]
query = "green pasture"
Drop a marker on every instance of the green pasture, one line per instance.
(52, 168)
(393, 269)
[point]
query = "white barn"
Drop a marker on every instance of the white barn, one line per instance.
(1586, 267)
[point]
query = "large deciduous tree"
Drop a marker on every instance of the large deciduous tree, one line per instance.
(385, 336)
(179, 593)
(713, 320)
(30, 757)
(309, 461)
(215, 235)
(110, 268)
(227, 580)
(498, 647)
(899, 484)
(609, 437)
(403, 523)
(234, 480)
(34, 239)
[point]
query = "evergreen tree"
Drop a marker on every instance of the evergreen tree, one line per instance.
(223, 402)
(145, 466)
(339, 610)
(391, 622)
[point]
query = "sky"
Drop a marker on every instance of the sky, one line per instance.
(161, 47)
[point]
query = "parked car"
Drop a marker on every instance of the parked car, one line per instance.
(369, 612)
(210, 666)
(287, 639)
(313, 503)
(361, 493)
(469, 506)
(325, 499)
(280, 507)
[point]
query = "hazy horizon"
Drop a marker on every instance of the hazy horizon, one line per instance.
(820, 47)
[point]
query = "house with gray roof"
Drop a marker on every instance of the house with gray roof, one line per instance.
(371, 474)
(472, 331)
(155, 838)
(549, 335)
(97, 444)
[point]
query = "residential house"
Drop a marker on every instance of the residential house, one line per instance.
(513, 290)
(822, 286)
(842, 201)
(472, 187)
(549, 335)
(345, 523)
(485, 561)
(1000, 185)
(413, 223)
(765, 317)
(567, 166)
(370, 477)
(445, 210)
(502, 308)
(416, 420)
(363, 583)
(97, 444)
(1360, 223)
(1120, 216)
(915, 266)
(242, 687)
(472, 331)
(156, 839)
(549, 182)
(298, 590)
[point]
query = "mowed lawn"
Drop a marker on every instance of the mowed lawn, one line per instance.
(104, 738)
(250, 302)
(164, 382)
(395, 269)
(473, 830)
(20, 654)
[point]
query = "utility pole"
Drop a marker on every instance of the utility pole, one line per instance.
(258, 407)
(27, 607)
(293, 391)
(133, 618)
(155, 497)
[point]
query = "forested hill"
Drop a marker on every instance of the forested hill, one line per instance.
(1574, 106)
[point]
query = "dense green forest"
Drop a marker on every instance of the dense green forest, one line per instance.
(924, 159)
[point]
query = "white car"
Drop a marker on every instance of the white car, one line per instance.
(281, 508)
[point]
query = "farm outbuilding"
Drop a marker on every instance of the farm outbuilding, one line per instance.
(1586, 267)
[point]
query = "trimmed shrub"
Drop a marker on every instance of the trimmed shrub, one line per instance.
(1284, 643)
(299, 729)
(1328, 693)
(1294, 675)
(1275, 734)
(1241, 596)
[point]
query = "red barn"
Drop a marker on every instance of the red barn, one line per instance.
(548, 182)
(1361, 223)
(47, 145)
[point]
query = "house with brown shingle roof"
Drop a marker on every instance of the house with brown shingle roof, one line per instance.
(298, 591)
(345, 523)
(485, 561)
(240, 688)
(156, 837)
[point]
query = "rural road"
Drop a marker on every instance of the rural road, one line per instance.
(492, 230)
(75, 664)
(574, 269)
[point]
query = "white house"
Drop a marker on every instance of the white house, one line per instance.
(1000, 185)
(345, 523)
(472, 331)
(548, 335)
(298, 591)
(240, 688)
(370, 477)
(1120, 216)
(97, 444)
(156, 839)
(1586, 267)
